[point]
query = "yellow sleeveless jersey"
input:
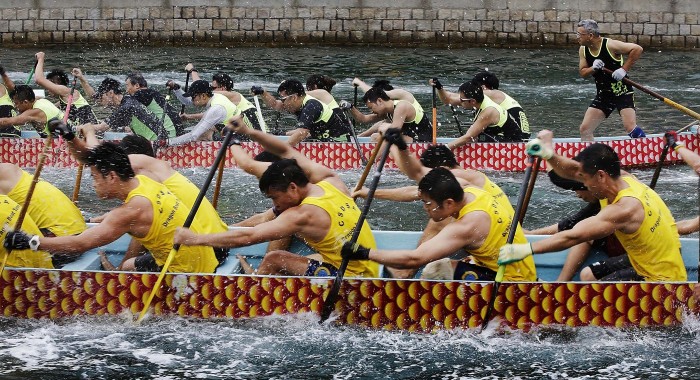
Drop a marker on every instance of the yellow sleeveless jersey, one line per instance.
(50, 111)
(655, 248)
(187, 192)
(49, 207)
(26, 258)
(344, 214)
(503, 115)
(5, 100)
(327, 110)
(169, 212)
(501, 214)
(419, 111)
(222, 100)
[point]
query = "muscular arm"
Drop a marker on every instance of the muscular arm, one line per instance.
(297, 135)
(89, 91)
(271, 102)
(9, 84)
(247, 163)
(41, 80)
(409, 164)
(214, 115)
(28, 116)
(691, 158)
(256, 219)
(688, 226)
(398, 194)
(632, 50)
(364, 118)
(583, 69)
(549, 230)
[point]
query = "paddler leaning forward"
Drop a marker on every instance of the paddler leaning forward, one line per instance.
(481, 225)
(315, 206)
(150, 214)
(630, 209)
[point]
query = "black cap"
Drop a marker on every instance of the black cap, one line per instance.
(566, 184)
(198, 87)
(107, 85)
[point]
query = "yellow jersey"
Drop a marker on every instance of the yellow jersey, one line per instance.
(26, 258)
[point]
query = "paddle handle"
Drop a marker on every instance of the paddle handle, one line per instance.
(187, 86)
(668, 101)
(329, 303)
(530, 188)
(434, 116)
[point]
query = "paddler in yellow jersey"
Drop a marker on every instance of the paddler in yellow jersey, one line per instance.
(7, 108)
(150, 213)
(315, 119)
(25, 258)
(141, 158)
(56, 83)
(52, 211)
(635, 213)
(480, 227)
(314, 204)
(37, 112)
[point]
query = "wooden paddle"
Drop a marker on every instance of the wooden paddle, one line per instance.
(434, 116)
(664, 152)
(188, 222)
(368, 165)
(351, 127)
(454, 115)
(30, 192)
(668, 101)
(511, 235)
(219, 178)
(329, 303)
(530, 188)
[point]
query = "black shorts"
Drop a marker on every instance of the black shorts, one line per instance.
(319, 269)
(608, 102)
(146, 263)
(618, 268)
(465, 271)
(518, 115)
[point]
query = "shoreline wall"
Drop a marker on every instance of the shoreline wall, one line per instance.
(670, 24)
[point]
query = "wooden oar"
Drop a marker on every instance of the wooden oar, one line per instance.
(368, 165)
(219, 178)
(454, 115)
(511, 235)
(668, 101)
(187, 86)
(351, 127)
(188, 222)
(434, 116)
(30, 192)
(530, 188)
(258, 112)
(329, 303)
(662, 158)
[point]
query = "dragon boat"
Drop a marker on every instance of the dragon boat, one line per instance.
(634, 153)
(82, 289)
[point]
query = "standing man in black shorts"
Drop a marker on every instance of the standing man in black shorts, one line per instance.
(596, 53)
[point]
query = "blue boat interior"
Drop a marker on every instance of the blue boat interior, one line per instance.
(548, 265)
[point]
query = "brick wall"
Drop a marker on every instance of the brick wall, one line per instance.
(456, 23)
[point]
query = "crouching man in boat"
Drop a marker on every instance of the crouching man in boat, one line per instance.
(26, 257)
(314, 204)
(142, 160)
(150, 214)
(480, 227)
(492, 123)
(631, 210)
(51, 210)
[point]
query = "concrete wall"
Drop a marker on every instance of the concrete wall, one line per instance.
(671, 24)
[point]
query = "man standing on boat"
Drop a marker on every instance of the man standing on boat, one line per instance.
(37, 112)
(480, 227)
(56, 83)
(129, 113)
(631, 210)
(315, 119)
(492, 123)
(150, 214)
(52, 211)
(7, 108)
(612, 93)
(313, 203)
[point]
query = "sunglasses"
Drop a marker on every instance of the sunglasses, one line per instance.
(283, 98)
(465, 99)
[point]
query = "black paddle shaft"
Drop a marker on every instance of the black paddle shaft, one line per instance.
(511, 236)
(187, 85)
(329, 303)
(351, 127)
(203, 191)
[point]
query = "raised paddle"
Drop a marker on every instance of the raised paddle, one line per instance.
(668, 101)
(30, 192)
(258, 113)
(530, 188)
(31, 73)
(351, 127)
(511, 235)
(79, 175)
(664, 153)
(329, 303)
(454, 115)
(188, 221)
(162, 133)
(187, 86)
(368, 165)
(219, 178)
(434, 116)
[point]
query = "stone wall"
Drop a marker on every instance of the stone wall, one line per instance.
(455, 23)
